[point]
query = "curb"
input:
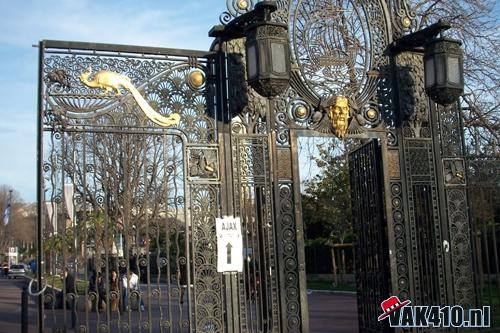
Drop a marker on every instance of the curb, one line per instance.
(336, 292)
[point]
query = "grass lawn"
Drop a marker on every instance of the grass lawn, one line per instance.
(56, 282)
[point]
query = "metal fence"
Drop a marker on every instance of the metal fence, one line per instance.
(484, 203)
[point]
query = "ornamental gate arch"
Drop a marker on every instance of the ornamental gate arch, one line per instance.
(140, 149)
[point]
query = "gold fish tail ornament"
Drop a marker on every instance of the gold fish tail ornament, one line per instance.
(154, 116)
(112, 81)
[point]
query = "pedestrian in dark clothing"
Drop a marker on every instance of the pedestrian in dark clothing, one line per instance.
(101, 290)
(68, 294)
(69, 283)
(182, 278)
(133, 263)
(97, 286)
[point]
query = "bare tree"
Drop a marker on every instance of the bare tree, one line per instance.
(20, 231)
(123, 183)
(476, 24)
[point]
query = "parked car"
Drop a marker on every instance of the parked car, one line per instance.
(17, 271)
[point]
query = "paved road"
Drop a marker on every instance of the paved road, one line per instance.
(332, 313)
(10, 307)
(328, 313)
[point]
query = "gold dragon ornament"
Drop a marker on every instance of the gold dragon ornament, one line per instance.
(339, 116)
(112, 81)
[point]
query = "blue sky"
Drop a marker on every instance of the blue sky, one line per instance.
(163, 23)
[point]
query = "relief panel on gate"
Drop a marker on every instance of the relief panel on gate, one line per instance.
(81, 91)
(203, 163)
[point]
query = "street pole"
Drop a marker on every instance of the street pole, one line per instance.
(24, 310)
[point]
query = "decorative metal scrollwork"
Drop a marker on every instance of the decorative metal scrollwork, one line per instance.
(165, 88)
(414, 104)
(133, 180)
(404, 16)
(236, 8)
(332, 46)
(337, 49)
(38, 293)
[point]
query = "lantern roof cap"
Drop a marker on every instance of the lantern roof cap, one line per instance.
(415, 41)
(261, 14)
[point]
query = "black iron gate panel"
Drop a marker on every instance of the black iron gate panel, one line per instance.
(484, 199)
(258, 287)
(426, 243)
(128, 190)
(371, 249)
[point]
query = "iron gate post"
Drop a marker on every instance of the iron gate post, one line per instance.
(40, 187)
(429, 228)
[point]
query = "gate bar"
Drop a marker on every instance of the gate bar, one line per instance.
(58, 44)
(39, 187)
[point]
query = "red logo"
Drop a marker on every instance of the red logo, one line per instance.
(390, 305)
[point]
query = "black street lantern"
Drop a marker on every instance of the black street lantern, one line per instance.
(268, 55)
(443, 61)
(444, 78)
(267, 48)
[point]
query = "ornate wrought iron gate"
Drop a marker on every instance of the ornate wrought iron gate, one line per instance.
(122, 191)
(140, 149)
(371, 247)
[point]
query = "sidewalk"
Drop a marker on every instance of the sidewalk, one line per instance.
(328, 312)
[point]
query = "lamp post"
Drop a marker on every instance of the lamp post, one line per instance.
(267, 48)
(443, 61)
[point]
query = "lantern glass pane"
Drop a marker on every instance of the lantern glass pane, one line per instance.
(278, 57)
(440, 70)
(429, 73)
(454, 70)
(252, 61)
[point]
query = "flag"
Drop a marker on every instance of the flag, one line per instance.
(6, 213)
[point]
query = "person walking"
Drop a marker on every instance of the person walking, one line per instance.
(96, 286)
(182, 278)
(68, 288)
(130, 283)
(101, 290)
(114, 289)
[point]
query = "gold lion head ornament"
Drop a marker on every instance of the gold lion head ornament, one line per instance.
(339, 116)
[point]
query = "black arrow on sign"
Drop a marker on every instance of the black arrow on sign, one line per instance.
(229, 247)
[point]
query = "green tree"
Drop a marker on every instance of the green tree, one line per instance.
(326, 201)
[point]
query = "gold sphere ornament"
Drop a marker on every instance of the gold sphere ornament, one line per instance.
(196, 79)
(242, 4)
(301, 111)
(372, 114)
(406, 22)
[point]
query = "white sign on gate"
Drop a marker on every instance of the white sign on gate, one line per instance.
(229, 244)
